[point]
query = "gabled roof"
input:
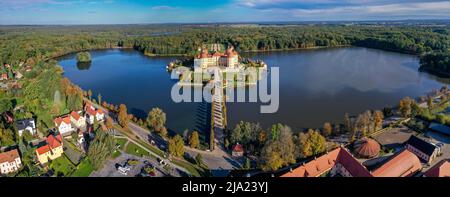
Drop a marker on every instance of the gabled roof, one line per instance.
(75, 115)
(421, 144)
(402, 164)
(441, 169)
(52, 142)
(100, 111)
(91, 111)
(326, 162)
(60, 120)
(439, 128)
(9, 156)
(23, 124)
(238, 148)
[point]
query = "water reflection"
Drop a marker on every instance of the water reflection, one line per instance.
(83, 65)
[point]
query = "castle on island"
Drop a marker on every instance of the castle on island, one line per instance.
(229, 59)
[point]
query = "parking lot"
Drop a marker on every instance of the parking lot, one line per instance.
(395, 137)
(109, 168)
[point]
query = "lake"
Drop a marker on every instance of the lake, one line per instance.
(315, 85)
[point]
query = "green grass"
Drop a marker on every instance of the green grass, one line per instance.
(116, 154)
(121, 142)
(62, 166)
(133, 149)
(193, 170)
(83, 169)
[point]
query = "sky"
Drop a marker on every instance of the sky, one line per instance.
(211, 11)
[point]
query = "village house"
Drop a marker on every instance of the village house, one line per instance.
(64, 126)
(9, 117)
(423, 149)
(77, 120)
(10, 162)
(238, 150)
(52, 149)
(90, 115)
(4, 76)
(26, 125)
(100, 115)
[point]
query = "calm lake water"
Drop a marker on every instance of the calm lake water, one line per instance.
(315, 85)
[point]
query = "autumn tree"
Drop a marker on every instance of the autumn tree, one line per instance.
(156, 119)
(327, 129)
(279, 150)
(378, 120)
(176, 146)
(194, 141)
(109, 123)
(405, 106)
(123, 116)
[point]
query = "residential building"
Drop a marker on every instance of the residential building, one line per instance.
(90, 115)
(100, 115)
(4, 76)
(441, 169)
(26, 125)
(238, 150)
(423, 149)
(64, 126)
(10, 162)
(403, 164)
(52, 149)
(77, 120)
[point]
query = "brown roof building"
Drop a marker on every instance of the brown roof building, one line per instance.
(403, 164)
(367, 148)
(338, 162)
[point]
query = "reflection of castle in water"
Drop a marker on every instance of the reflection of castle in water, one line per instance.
(83, 65)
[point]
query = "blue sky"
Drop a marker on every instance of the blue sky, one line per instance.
(196, 11)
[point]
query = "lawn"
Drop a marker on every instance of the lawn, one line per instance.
(62, 166)
(84, 169)
(133, 149)
(116, 154)
(121, 142)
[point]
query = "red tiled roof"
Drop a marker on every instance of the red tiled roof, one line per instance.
(403, 164)
(238, 148)
(91, 111)
(100, 111)
(75, 115)
(9, 156)
(52, 142)
(441, 169)
(43, 149)
(367, 148)
(326, 162)
(59, 120)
